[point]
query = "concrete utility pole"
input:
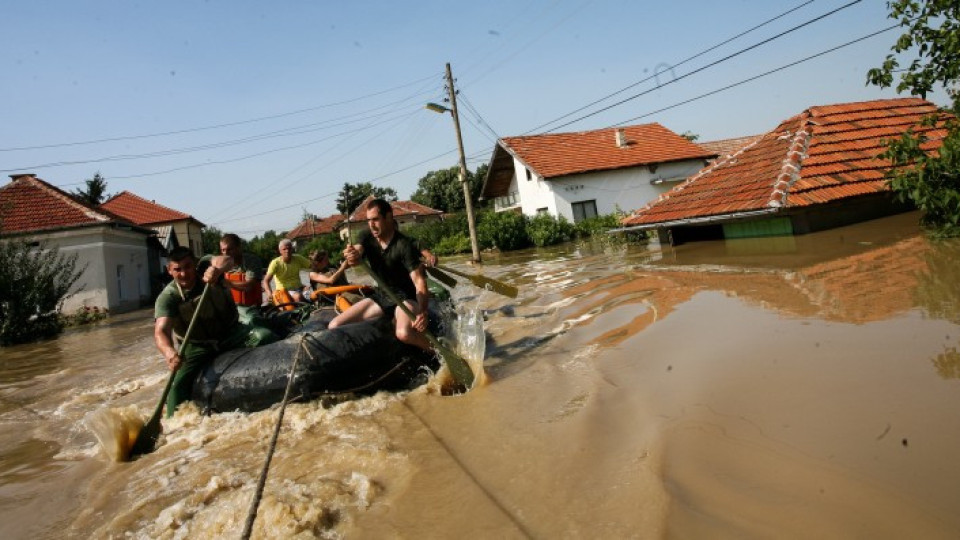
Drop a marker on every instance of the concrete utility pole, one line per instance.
(463, 169)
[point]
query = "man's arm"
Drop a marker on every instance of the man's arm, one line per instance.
(320, 277)
(162, 332)
(423, 298)
(266, 284)
(353, 253)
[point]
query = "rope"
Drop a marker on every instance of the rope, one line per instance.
(252, 514)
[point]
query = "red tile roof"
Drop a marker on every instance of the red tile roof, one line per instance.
(29, 204)
(309, 228)
(562, 154)
(143, 212)
(824, 154)
(554, 155)
(400, 209)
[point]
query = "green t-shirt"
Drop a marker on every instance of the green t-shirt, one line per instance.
(287, 275)
(217, 316)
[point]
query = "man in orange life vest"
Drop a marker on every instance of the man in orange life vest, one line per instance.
(244, 280)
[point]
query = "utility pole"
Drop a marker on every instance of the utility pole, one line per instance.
(463, 169)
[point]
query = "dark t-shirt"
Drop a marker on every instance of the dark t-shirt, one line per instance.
(394, 263)
(217, 316)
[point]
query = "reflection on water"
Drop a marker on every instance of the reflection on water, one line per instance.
(719, 389)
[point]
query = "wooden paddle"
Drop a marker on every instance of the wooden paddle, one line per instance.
(459, 367)
(442, 276)
(147, 438)
(483, 282)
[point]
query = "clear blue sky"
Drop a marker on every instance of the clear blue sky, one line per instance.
(300, 97)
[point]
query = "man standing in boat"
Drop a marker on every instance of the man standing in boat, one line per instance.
(395, 258)
(284, 272)
(217, 327)
(244, 279)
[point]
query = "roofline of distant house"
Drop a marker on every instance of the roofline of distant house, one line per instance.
(112, 224)
(697, 220)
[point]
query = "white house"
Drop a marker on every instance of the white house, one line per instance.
(585, 174)
(118, 258)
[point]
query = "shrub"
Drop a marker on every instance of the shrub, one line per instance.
(546, 230)
(502, 230)
(451, 245)
(33, 284)
(85, 315)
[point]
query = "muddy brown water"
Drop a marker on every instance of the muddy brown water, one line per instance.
(792, 388)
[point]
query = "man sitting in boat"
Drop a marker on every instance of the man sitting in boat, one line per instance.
(284, 272)
(216, 329)
(396, 259)
(244, 280)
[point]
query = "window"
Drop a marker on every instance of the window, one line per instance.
(542, 210)
(120, 281)
(529, 174)
(584, 210)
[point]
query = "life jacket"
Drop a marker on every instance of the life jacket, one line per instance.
(282, 298)
(244, 298)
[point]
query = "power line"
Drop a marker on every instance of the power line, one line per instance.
(217, 126)
(699, 54)
(759, 76)
(710, 65)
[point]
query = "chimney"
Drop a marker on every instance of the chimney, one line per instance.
(16, 176)
(621, 138)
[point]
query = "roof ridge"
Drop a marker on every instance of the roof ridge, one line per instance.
(87, 210)
(792, 163)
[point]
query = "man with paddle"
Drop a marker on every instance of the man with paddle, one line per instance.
(395, 258)
(216, 327)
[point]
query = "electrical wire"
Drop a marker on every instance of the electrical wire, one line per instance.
(703, 68)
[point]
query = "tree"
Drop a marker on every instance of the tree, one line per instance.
(265, 246)
(441, 189)
(353, 194)
(95, 192)
(34, 281)
(931, 180)
(210, 239)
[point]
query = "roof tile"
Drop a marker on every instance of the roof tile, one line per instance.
(141, 211)
(29, 204)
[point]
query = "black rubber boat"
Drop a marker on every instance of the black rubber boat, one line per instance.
(357, 359)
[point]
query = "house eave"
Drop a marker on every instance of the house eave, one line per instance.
(700, 220)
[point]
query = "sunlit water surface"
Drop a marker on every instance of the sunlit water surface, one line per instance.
(794, 388)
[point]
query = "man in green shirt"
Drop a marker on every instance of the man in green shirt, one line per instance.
(395, 258)
(217, 327)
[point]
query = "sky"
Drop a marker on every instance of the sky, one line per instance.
(247, 115)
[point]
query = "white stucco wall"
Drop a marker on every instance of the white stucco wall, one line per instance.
(627, 188)
(102, 251)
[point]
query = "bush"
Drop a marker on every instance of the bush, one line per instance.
(451, 245)
(505, 231)
(33, 284)
(430, 235)
(331, 243)
(85, 315)
(598, 225)
(545, 230)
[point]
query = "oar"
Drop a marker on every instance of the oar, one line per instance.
(459, 367)
(442, 276)
(147, 438)
(498, 287)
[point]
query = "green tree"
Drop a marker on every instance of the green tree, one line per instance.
(210, 239)
(442, 190)
(931, 180)
(34, 281)
(95, 191)
(353, 194)
(265, 246)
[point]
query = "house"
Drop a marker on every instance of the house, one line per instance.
(816, 170)
(116, 256)
(313, 227)
(172, 226)
(405, 212)
(585, 174)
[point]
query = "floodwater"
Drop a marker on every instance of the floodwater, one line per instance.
(794, 388)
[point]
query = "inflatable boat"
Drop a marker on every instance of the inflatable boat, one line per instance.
(355, 359)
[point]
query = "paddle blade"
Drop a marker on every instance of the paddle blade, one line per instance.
(147, 438)
(484, 282)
